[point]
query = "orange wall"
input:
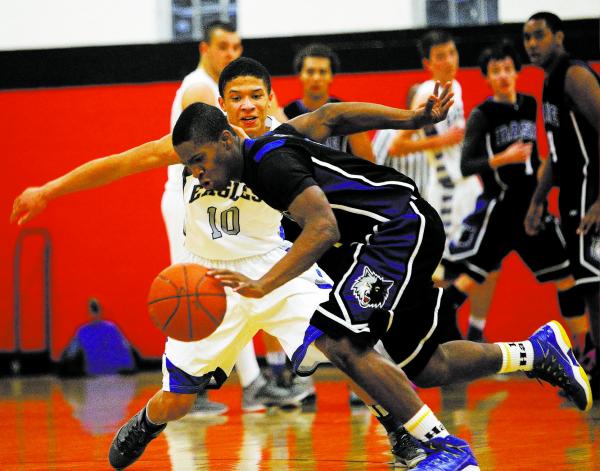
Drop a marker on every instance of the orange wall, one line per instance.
(109, 243)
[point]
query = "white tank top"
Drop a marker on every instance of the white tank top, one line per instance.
(197, 77)
(229, 224)
(456, 117)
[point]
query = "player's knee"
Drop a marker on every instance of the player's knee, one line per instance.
(340, 351)
(435, 372)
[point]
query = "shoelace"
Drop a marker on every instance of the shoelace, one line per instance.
(405, 443)
(134, 436)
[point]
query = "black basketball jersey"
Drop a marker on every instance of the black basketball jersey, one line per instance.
(283, 163)
(492, 127)
(297, 108)
(572, 139)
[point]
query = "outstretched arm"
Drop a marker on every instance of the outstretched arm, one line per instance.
(98, 172)
(335, 119)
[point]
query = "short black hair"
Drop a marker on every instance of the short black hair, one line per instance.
(200, 123)
(316, 50)
(242, 67)
(498, 52)
(433, 38)
(553, 22)
(209, 29)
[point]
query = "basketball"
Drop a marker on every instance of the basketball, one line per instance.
(185, 303)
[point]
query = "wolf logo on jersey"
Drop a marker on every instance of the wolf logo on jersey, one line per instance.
(371, 289)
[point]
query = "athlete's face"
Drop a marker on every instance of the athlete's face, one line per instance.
(221, 48)
(246, 102)
(540, 42)
(214, 164)
(316, 77)
(502, 77)
(442, 61)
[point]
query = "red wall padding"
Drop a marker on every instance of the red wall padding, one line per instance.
(109, 243)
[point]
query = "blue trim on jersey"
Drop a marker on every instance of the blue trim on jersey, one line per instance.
(268, 148)
(248, 143)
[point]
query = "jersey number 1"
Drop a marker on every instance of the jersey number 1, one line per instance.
(229, 221)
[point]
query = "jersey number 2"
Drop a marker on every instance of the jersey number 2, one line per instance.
(228, 220)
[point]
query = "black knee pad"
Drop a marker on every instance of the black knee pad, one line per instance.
(571, 302)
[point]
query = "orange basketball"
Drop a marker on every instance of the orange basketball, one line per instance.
(185, 303)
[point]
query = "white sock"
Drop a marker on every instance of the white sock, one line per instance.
(477, 323)
(516, 356)
(247, 366)
(424, 425)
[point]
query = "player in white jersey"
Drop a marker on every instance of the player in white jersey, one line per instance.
(285, 313)
(449, 192)
(221, 45)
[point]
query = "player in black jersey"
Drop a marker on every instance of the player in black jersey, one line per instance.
(383, 289)
(500, 147)
(571, 109)
(316, 65)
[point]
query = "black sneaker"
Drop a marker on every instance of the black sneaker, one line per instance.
(131, 441)
(407, 450)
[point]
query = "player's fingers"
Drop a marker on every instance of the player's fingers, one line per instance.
(436, 88)
(584, 226)
(446, 98)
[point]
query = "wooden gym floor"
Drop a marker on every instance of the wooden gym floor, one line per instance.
(512, 424)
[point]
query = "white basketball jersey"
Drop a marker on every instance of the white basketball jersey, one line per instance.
(197, 77)
(456, 118)
(229, 224)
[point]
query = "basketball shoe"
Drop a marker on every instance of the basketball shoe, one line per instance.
(262, 393)
(554, 362)
(407, 450)
(203, 407)
(448, 454)
(131, 440)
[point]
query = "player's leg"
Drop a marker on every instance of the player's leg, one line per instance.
(415, 238)
(481, 300)
(260, 392)
(546, 355)
(188, 369)
(546, 256)
(173, 212)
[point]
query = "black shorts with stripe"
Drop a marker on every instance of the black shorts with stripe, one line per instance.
(495, 228)
(383, 286)
(583, 250)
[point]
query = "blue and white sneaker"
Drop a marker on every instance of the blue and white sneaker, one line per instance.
(554, 362)
(448, 454)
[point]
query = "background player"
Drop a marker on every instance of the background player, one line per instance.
(500, 146)
(450, 192)
(385, 282)
(571, 108)
(316, 64)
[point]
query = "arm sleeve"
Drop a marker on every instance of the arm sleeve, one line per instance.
(288, 175)
(475, 159)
